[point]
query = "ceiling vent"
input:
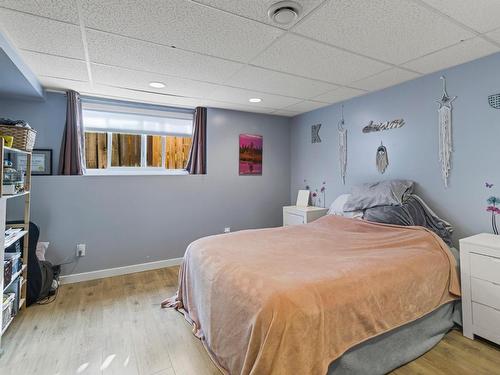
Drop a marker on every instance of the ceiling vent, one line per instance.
(284, 12)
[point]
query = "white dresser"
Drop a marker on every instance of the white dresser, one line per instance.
(480, 269)
(293, 215)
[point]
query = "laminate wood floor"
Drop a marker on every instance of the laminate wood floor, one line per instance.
(115, 326)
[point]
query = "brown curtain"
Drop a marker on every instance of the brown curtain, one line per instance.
(197, 161)
(72, 156)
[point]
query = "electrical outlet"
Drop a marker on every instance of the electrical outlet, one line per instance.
(81, 250)
(227, 229)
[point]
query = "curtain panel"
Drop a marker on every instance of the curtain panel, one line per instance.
(72, 156)
(197, 161)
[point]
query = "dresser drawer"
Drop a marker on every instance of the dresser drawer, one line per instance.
(486, 322)
(292, 219)
(485, 267)
(486, 293)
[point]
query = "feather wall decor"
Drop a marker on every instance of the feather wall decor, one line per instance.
(445, 132)
(382, 159)
(342, 146)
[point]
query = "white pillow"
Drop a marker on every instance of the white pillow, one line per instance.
(337, 208)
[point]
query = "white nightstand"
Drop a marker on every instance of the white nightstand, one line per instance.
(293, 215)
(480, 269)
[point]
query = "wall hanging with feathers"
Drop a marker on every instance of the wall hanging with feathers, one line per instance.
(445, 132)
(342, 146)
(382, 159)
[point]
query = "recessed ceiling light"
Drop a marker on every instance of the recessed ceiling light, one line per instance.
(255, 100)
(284, 12)
(157, 85)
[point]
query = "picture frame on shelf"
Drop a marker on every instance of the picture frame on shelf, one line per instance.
(41, 162)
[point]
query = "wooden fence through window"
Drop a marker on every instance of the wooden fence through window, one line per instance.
(126, 151)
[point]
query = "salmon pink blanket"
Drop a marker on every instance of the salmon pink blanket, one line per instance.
(291, 300)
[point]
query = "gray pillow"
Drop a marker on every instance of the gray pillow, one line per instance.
(383, 193)
(413, 211)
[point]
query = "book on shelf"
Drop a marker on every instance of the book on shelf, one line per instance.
(10, 233)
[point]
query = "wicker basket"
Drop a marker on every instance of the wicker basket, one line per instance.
(24, 139)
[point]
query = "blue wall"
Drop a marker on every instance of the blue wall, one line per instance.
(413, 149)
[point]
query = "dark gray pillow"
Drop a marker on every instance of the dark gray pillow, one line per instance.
(413, 211)
(383, 193)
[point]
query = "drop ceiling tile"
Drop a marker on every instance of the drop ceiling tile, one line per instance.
(458, 54)
(338, 95)
(390, 30)
(495, 35)
(42, 35)
(235, 107)
(102, 91)
(385, 79)
(282, 112)
(257, 10)
(305, 106)
(62, 10)
(297, 55)
(259, 79)
(128, 53)
(480, 15)
(241, 96)
(181, 23)
(55, 66)
(65, 84)
(132, 79)
(143, 97)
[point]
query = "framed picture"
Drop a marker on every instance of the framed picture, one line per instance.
(250, 155)
(41, 162)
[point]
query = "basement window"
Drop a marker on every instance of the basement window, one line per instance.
(135, 141)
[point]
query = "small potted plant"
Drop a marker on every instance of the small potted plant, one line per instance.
(318, 196)
(493, 203)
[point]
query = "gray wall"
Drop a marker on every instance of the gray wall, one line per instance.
(413, 149)
(128, 220)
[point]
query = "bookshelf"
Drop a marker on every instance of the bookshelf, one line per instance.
(19, 277)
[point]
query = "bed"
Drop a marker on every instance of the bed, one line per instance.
(337, 296)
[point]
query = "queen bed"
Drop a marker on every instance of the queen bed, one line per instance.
(337, 296)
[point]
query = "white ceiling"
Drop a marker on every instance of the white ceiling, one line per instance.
(220, 53)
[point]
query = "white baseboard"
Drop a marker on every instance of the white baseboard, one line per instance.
(109, 272)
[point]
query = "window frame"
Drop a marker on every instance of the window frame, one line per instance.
(143, 169)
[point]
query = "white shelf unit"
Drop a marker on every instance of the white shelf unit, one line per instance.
(23, 234)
